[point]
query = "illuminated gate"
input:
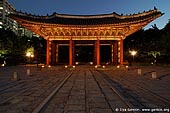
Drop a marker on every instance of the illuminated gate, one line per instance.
(73, 30)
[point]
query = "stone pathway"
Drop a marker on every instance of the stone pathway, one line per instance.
(85, 92)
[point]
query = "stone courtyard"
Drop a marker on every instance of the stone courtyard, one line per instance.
(23, 88)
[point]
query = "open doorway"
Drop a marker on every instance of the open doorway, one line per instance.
(84, 54)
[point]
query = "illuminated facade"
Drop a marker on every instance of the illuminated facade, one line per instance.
(79, 30)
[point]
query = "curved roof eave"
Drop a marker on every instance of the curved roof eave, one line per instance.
(67, 19)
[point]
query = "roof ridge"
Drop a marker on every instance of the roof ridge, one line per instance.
(114, 14)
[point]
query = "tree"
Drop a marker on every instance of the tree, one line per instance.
(134, 41)
(154, 54)
(165, 39)
(151, 39)
(13, 45)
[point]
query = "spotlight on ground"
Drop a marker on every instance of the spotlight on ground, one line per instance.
(95, 66)
(91, 63)
(66, 66)
(74, 66)
(49, 66)
(118, 66)
(103, 66)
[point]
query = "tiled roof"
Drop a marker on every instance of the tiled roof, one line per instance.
(66, 19)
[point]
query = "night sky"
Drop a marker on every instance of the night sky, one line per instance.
(93, 7)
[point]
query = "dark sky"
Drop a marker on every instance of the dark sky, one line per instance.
(92, 7)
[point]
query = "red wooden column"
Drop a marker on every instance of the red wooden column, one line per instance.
(98, 52)
(73, 53)
(70, 51)
(121, 51)
(48, 52)
(94, 56)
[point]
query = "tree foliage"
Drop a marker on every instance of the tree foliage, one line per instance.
(152, 40)
(13, 47)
